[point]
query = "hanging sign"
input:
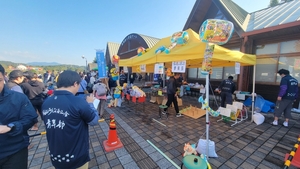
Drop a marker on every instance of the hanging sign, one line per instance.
(179, 67)
(159, 68)
(125, 69)
(237, 68)
(143, 68)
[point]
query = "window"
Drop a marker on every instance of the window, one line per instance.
(266, 69)
(229, 71)
(290, 46)
(267, 49)
(192, 72)
(289, 63)
(217, 73)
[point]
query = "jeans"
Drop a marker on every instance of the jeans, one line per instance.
(17, 160)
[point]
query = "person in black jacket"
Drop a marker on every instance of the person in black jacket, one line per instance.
(172, 96)
(226, 88)
(17, 116)
(34, 89)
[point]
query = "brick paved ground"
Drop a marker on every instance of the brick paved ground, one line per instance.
(245, 145)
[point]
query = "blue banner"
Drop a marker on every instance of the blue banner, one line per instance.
(101, 64)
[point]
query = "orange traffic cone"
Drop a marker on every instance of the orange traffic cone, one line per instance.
(113, 142)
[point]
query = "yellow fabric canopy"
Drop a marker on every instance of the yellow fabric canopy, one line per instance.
(192, 52)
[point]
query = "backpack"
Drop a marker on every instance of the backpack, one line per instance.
(101, 89)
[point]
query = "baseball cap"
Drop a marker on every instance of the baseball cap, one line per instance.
(15, 74)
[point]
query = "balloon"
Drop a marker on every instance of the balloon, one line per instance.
(207, 61)
(167, 50)
(180, 38)
(114, 74)
(140, 51)
(160, 49)
(115, 59)
(216, 31)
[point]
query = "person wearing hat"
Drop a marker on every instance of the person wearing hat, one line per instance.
(100, 85)
(288, 93)
(15, 79)
(17, 116)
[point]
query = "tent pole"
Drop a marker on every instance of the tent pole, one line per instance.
(207, 115)
(253, 91)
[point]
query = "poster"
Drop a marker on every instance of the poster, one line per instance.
(143, 68)
(101, 64)
(179, 67)
(237, 68)
(159, 68)
(125, 69)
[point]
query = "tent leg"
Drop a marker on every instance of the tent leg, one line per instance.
(253, 91)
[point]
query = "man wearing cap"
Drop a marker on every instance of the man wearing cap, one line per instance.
(15, 79)
(288, 93)
(17, 116)
(226, 88)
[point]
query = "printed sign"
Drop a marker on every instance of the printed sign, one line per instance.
(101, 62)
(125, 69)
(159, 68)
(179, 67)
(143, 68)
(237, 68)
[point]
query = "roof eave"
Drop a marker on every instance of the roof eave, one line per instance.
(273, 28)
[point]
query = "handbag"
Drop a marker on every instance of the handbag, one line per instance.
(84, 90)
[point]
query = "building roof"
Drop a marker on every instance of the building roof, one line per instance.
(150, 41)
(274, 16)
(112, 48)
(238, 13)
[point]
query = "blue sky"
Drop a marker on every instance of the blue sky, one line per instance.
(64, 30)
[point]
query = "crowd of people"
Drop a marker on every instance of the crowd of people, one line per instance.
(68, 106)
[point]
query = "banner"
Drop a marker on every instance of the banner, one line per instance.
(237, 68)
(101, 62)
(159, 68)
(179, 67)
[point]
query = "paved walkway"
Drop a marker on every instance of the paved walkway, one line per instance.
(245, 145)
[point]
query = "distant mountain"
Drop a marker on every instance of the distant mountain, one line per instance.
(43, 64)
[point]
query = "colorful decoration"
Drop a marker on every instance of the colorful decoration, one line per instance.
(207, 61)
(114, 74)
(167, 50)
(213, 31)
(141, 51)
(180, 37)
(117, 92)
(160, 49)
(115, 59)
(216, 31)
(205, 106)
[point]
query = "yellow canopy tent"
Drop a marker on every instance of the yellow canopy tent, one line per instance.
(192, 52)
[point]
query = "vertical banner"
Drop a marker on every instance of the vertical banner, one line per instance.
(101, 62)
(159, 68)
(179, 67)
(237, 68)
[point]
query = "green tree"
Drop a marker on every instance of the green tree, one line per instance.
(273, 3)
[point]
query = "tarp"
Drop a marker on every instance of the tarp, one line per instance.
(192, 52)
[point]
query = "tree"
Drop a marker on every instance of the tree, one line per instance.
(273, 3)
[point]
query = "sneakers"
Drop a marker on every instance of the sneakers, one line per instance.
(285, 124)
(274, 123)
(179, 115)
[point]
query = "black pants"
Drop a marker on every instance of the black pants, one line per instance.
(17, 160)
(172, 99)
(226, 97)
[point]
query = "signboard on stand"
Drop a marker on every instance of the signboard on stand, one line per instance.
(159, 68)
(179, 67)
(101, 64)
